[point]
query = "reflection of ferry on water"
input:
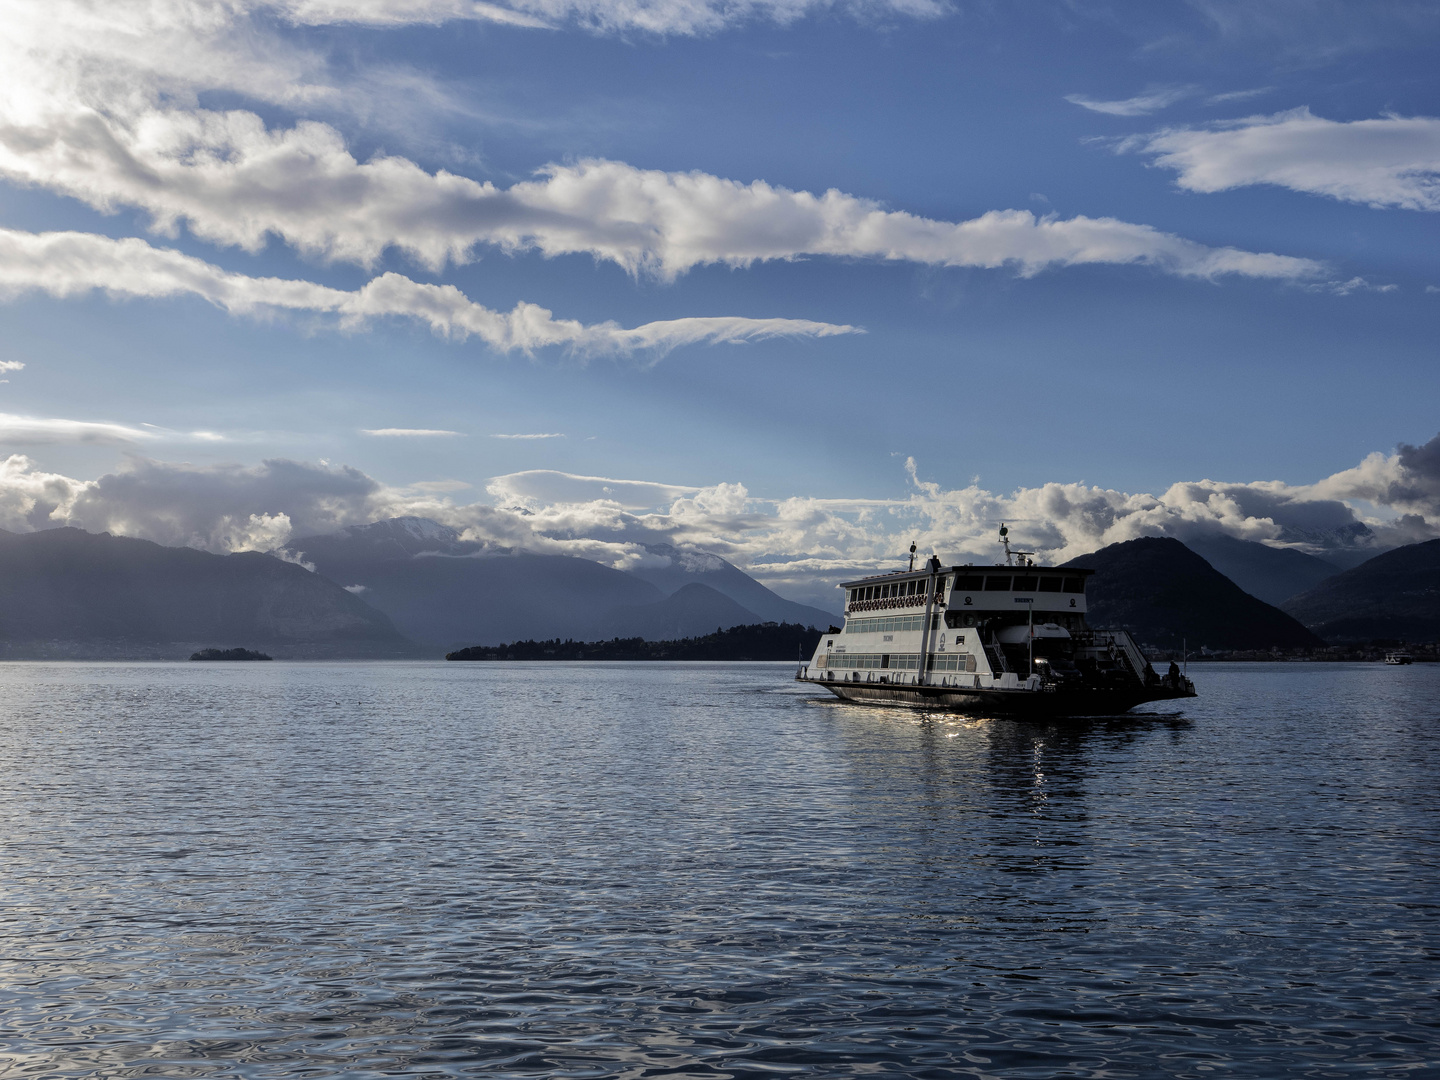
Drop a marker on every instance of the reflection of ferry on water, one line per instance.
(1008, 638)
(1399, 656)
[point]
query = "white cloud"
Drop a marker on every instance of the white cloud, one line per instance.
(101, 103)
(403, 433)
(1393, 161)
(540, 487)
(1238, 95)
(71, 263)
(398, 12)
(12, 365)
(1152, 100)
(1355, 284)
(17, 430)
(685, 17)
(233, 181)
(535, 435)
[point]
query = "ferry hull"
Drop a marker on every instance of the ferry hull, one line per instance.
(1091, 701)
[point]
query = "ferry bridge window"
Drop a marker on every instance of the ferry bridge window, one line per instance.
(997, 584)
(1049, 584)
(969, 583)
(1025, 584)
(1075, 584)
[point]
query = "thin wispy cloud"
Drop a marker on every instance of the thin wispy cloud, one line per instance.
(679, 17)
(72, 263)
(535, 435)
(1238, 95)
(408, 433)
(19, 430)
(1150, 101)
(1390, 162)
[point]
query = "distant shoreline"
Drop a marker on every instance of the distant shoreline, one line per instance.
(760, 641)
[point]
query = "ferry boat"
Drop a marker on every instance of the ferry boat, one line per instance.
(1008, 639)
(1398, 657)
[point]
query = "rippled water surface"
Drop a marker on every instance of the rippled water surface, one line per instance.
(305, 869)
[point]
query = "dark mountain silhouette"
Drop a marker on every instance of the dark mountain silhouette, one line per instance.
(1272, 574)
(69, 593)
(450, 593)
(1394, 595)
(702, 567)
(1162, 592)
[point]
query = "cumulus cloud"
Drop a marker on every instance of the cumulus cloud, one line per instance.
(221, 507)
(71, 263)
(1150, 101)
(1393, 161)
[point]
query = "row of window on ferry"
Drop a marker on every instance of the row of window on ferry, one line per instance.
(973, 583)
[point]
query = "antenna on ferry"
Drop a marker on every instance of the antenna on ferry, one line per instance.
(912, 554)
(1005, 539)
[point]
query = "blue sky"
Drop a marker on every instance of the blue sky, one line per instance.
(1075, 260)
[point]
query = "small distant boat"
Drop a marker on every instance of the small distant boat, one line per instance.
(1398, 657)
(1003, 639)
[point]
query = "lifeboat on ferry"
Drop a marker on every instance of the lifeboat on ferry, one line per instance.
(1019, 635)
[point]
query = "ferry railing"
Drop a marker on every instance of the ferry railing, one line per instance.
(889, 603)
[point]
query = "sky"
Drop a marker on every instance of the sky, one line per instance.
(794, 282)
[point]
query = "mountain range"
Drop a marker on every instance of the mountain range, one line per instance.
(65, 593)
(1167, 595)
(411, 587)
(1394, 595)
(1271, 574)
(449, 593)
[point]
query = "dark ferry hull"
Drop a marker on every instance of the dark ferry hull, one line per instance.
(1036, 703)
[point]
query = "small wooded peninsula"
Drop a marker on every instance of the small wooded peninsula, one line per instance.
(761, 641)
(228, 654)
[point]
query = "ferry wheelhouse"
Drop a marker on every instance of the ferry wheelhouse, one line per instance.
(1004, 639)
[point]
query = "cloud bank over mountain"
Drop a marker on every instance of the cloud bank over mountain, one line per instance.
(799, 545)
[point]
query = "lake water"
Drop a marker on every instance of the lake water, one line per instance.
(631, 870)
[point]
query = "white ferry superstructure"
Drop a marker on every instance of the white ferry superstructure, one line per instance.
(1004, 639)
